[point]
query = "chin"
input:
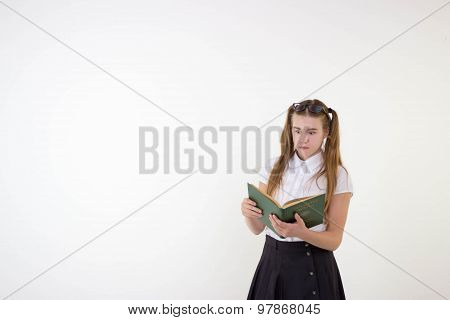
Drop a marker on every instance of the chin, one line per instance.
(306, 153)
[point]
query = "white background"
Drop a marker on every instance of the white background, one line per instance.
(69, 168)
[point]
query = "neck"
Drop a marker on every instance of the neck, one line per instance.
(318, 150)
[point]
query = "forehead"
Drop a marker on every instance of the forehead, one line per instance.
(304, 122)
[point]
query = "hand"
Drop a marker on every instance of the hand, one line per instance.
(296, 229)
(249, 209)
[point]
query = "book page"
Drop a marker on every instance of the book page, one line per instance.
(295, 201)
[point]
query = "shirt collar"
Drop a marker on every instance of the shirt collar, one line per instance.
(307, 165)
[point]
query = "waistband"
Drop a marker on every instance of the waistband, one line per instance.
(291, 245)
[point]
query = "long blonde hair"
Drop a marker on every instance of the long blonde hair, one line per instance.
(332, 156)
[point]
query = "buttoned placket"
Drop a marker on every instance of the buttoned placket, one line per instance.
(304, 167)
(314, 292)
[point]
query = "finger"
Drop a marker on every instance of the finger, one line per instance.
(282, 224)
(250, 201)
(277, 221)
(277, 229)
(274, 224)
(253, 208)
(256, 209)
(250, 210)
(252, 214)
(273, 219)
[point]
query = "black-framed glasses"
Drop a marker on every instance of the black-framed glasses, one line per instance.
(300, 106)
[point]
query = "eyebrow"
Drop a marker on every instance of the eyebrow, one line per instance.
(305, 128)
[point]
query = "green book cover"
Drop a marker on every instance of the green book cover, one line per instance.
(310, 209)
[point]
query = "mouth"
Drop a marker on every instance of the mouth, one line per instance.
(304, 148)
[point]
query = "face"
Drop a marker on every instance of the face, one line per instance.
(307, 134)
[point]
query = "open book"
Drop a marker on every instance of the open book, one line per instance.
(310, 209)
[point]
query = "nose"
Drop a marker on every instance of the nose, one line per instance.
(303, 138)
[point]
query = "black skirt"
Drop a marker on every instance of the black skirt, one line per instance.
(296, 270)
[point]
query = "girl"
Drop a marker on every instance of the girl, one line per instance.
(302, 265)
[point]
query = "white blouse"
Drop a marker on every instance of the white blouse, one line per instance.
(295, 184)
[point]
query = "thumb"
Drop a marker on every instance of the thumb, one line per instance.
(297, 217)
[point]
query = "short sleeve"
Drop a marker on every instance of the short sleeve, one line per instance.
(266, 169)
(344, 182)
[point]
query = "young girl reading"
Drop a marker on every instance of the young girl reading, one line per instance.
(302, 264)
